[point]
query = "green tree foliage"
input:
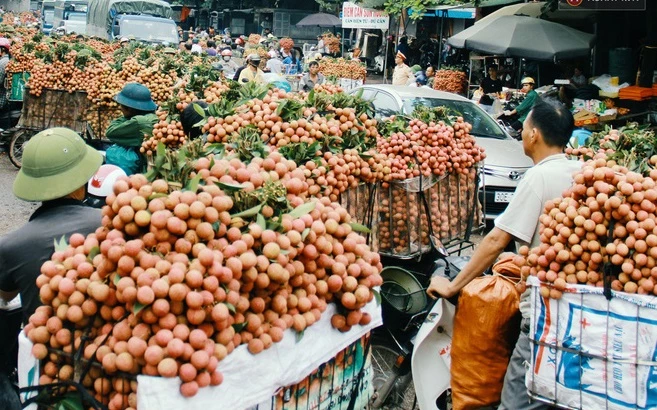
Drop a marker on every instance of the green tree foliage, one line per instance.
(415, 9)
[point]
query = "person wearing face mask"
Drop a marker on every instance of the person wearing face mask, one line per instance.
(229, 65)
(251, 72)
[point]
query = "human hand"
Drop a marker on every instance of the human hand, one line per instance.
(507, 113)
(440, 287)
(505, 255)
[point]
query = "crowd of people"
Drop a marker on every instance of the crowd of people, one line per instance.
(279, 61)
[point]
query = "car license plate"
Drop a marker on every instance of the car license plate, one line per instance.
(504, 197)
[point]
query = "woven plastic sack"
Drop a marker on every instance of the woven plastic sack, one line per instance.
(486, 328)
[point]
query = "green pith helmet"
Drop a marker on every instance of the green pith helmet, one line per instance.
(56, 162)
(136, 96)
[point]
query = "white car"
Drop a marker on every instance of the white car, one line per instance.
(505, 162)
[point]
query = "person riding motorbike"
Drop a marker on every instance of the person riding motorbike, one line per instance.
(522, 110)
(251, 72)
(546, 132)
(228, 64)
(127, 132)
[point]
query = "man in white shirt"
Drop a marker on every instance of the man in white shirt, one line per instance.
(274, 64)
(545, 133)
(320, 44)
(196, 47)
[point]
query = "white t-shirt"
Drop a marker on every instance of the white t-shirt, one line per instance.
(543, 182)
(196, 49)
(275, 65)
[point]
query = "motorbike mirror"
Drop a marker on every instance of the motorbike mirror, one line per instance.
(438, 246)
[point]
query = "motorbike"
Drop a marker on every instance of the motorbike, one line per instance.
(8, 123)
(505, 122)
(410, 352)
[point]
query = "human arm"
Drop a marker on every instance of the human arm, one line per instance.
(519, 221)
(485, 255)
(3, 70)
(526, 104)
(410, 75)
(6, 282)
(303, 83)
(123, 131)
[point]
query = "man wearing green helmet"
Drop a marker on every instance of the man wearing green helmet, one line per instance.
(56, 167)
(127, 132)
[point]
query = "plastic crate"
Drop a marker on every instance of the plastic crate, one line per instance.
(17, 89)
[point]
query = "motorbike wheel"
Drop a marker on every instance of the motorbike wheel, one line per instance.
(402, 393)
(18, 140)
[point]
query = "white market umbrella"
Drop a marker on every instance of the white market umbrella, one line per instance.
(532, 9)
(526, 37)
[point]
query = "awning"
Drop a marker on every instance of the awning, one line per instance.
(482, 3)
(458, 13)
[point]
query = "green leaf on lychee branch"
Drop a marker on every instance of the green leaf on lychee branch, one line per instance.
(138, 307)
(359, 228)
(61, 245)
(238, 327)
(92, 253)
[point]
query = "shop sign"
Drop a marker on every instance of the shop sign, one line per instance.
(354, 16)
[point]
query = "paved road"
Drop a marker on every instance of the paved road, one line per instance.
(13, 211)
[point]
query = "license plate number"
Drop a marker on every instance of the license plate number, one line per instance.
(504, 197)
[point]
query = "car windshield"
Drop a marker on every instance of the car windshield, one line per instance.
(482, 124)
(49, 16)
(160, 31)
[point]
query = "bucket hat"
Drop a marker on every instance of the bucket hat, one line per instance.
(56, 162)
(136, 96)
